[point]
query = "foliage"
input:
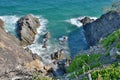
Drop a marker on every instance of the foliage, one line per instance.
(112, 38)
(109, 73)
(82, 63)
(36, 76)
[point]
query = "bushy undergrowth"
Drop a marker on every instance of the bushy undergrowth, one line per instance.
(82, 63)
(109, 73)
(36, 76)
(112, 38)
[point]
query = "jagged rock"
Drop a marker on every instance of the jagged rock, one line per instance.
(62, 67)
(114, 52)
(29, 51)
(57, 55)
(34, 65)
(47, 35)
(36, 56)
(86, 20)
(98, 49)
(12, 55)
(27, 29)
(102, 27)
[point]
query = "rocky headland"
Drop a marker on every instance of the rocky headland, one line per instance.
(102, 27)
(102, 59)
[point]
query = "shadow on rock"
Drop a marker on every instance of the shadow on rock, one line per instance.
(77, 41)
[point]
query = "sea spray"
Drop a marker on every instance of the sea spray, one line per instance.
(76, 21)
(10, 23)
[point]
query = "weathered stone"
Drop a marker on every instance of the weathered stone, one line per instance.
(57, 55)
(11, 53)
(114, 52)
(34, 65)
(36, 56)
(27, 29)
(102, 27)
(47, 35)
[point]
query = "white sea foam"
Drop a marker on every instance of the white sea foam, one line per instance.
(76, 21)
(53, 45)
(9, 23)
(36, 47)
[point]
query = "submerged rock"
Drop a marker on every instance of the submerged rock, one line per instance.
(27, 29)
(102, 27)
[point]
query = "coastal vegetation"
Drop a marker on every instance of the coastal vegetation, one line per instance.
(93, 63)
(111, 72)
(113, 40)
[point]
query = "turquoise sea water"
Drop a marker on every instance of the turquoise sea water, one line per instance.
(55, 14)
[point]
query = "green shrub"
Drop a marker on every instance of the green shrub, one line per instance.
(36, 76)
(109, 73)
(112, 38)
(84, 62)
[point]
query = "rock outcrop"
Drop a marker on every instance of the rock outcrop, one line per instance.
(27, 28)
(102, 27)
(12, 55)
(1, 24)
(86, 20)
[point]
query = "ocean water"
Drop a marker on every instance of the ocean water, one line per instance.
(59, 17)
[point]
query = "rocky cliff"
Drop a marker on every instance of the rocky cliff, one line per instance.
(11, 54)
(27, 29)
(102, 27)
(17, 63)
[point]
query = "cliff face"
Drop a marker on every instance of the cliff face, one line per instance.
(11, 53)
(102, 27)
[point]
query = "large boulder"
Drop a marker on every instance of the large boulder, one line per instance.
(27, 28)
(12, 55)
(102, 27)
